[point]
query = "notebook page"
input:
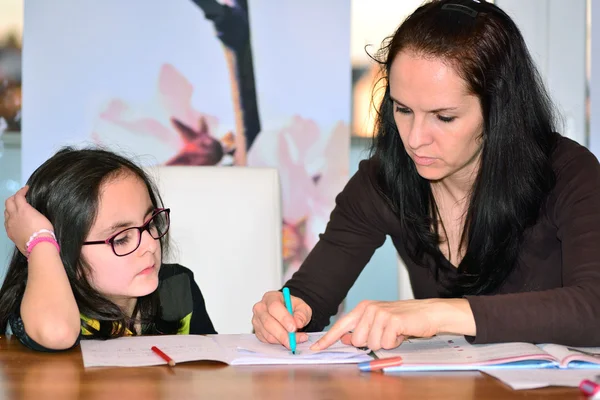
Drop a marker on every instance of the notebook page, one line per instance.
(134, 351)
(251, 351)
(251, 343)
(588, 357)
(241, 349)
(447, 350)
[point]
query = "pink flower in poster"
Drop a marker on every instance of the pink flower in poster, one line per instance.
(313, 169)
(171, 129)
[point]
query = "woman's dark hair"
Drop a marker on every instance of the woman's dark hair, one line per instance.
(66, 190)
(487, 50)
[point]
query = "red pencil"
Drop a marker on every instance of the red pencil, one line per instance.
(590, 388)
(162, 355)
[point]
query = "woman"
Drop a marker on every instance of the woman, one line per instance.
(495, 215)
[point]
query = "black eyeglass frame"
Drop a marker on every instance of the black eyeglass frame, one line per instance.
(146, 227)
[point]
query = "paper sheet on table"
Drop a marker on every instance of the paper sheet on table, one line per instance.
(252, 344)
(241, 349)
(538, 378)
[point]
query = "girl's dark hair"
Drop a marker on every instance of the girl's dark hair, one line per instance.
(487, 50)
(66, 190)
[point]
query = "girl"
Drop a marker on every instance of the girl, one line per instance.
(90, 231)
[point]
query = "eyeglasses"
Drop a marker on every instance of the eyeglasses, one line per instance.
(127, 241)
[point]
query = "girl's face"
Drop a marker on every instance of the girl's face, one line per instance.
(124, 203)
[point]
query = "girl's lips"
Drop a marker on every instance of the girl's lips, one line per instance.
(146, 271)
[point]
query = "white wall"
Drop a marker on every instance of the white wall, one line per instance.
(381, 279)
(595, 83)
(10, 173)
(555, 31)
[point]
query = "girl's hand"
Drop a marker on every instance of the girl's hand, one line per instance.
(21, 220)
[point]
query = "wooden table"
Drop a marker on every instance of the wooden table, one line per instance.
(25, 374)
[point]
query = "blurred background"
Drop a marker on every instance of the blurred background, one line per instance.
(560, 35)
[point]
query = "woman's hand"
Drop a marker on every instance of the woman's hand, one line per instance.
(385, 324)
(21, 220)
(272, 321)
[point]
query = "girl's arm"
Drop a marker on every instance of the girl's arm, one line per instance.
(48, 309)
(49, 312)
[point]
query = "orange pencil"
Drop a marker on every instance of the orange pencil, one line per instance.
(162, 355)
(380, 364)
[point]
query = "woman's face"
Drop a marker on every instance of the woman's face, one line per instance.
(439, 121)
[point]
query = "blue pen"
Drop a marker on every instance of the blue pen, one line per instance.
(288, 303)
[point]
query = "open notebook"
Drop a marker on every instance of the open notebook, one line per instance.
(241, 349)
(449, 352)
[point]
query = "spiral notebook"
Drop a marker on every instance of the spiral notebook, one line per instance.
(449, 352)
(240, 349)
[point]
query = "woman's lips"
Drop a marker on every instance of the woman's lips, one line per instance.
(423, 160)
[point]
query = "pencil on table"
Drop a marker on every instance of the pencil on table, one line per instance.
(162, 355)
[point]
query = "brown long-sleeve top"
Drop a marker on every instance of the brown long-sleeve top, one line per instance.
(552, 295)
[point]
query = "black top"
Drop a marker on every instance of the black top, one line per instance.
(552, 295)
(180, 301)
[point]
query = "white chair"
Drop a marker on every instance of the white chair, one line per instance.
(226, 228)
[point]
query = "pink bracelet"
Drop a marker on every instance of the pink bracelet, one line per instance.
(41, 239)
(36, 234)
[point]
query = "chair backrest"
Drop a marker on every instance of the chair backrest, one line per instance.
(225, 227)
